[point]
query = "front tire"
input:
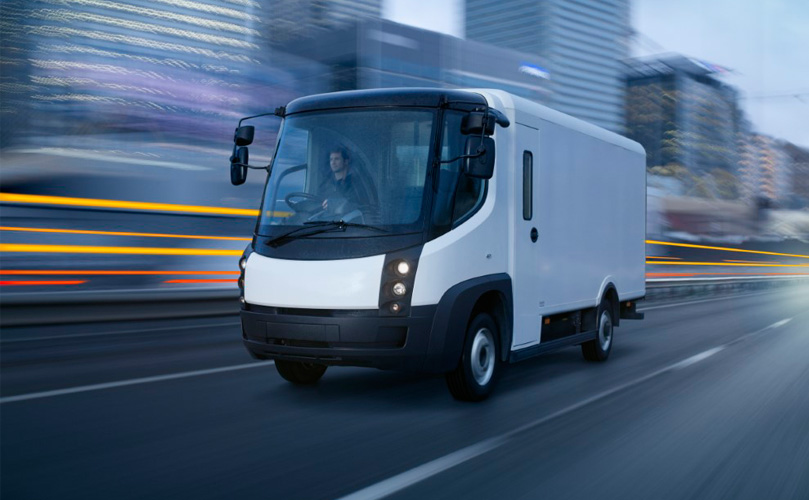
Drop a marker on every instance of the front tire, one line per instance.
(599, 349)
(300, 373)
(479, 367)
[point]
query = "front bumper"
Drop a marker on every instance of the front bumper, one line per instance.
(337, 337)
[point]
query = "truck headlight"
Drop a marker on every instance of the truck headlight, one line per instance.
(403, 268)
(242, 263)
(399, 289)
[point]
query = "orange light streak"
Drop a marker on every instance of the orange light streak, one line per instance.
(663, 275)
(114, 250)
(669, 275)
(71, 282)
(121, 233)
(134, 205)
(753, 261)
(688, 245)
(667, 263)
(200, 281)
(657, 257)
(39, 272)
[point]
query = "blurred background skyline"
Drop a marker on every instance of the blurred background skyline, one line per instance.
(117, 118)
(756, 43)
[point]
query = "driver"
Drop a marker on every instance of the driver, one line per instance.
(342, 189)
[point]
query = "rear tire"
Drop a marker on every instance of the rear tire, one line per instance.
(300, 373)
(479, 367)
(599, 349)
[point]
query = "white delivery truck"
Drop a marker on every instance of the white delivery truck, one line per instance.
(444, 231)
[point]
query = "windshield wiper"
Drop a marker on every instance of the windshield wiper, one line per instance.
(319, 227)
(342, 225)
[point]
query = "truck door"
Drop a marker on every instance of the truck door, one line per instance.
(527, 238)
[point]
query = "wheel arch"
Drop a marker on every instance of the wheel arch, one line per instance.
(457, 307)
(494, 303)
(610, 292)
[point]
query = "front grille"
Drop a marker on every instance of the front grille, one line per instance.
(387, 337)
(320, 313)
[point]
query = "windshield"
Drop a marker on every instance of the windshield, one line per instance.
(365, 167)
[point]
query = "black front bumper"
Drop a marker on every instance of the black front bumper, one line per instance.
(334, 337)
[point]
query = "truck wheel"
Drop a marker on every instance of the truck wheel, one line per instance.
(300, 373)
(599, 349)
(479, 366)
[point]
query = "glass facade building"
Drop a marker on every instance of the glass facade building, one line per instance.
(184, 68)
(683, 115)
(382, 54)
(582, 44)
(296, 19)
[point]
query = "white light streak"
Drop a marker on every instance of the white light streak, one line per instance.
(72, 81)
(102, 68)
(159, 14)
(61, 15)
(71, 33)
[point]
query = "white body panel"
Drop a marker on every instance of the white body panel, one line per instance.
(589, 207)
(478, 247)
(313, 284)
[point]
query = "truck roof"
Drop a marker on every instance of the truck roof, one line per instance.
(417, 97)
(432, 97)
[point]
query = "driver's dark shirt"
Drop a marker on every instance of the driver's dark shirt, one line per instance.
(347, 188)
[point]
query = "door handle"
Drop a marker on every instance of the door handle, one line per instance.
(534, 234)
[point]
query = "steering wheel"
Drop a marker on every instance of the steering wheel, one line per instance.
(309, 203)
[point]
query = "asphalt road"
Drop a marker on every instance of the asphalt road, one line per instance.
(707, 399)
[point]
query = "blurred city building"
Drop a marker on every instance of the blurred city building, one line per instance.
(798, 158)
(296, 19)
(170, 69)
(688, 121)
(375, 53)
(766, 171)
(581, 43)
(702, 217)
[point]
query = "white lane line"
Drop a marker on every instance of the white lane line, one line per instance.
(697, 358)
(134, 381)
(422, 472)
(69, 336)
(406, 479)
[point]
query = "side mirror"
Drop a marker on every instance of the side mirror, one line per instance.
(238, 166)
(244, 135)
(481, 166)
(472, 123)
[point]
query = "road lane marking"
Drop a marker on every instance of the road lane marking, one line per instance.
(134, 381)
(122, 332)
(696, 358)
(780, 323)
(418, 474)
(422, 472)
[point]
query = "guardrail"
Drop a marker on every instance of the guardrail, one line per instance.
(48, 308)
(667, 288)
